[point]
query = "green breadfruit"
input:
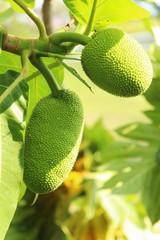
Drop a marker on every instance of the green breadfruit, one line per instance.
(52, 140)
(117, 63)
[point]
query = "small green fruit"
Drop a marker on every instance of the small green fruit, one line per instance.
(52, 141)
(117, 63)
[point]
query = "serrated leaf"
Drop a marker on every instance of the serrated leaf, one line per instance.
(6, 80)
(107, 12)
(28, 3)
(151, 194)
(11, 162)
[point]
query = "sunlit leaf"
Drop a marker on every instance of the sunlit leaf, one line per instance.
(37, 84)
(11, 162)
(78, 8)
(107, 12)
(115, 12)
(9, 61)
(6, 80)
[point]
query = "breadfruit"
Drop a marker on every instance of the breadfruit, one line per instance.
(117, 63)
(52, 141)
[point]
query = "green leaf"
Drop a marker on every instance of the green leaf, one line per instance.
(11, 162)
(80, 9)
(115, 12)
(6, 80)
(129, 175)
(151, 194)
(29, 3)
(9, 61)
(140, 131)
(134, 166)
(107, 12)
(5, 15)
(29, 223)
(37, 84)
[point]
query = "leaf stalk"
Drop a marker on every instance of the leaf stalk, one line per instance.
(91, 19)
(34, 17)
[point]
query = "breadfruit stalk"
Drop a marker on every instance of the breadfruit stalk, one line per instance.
(42, 67)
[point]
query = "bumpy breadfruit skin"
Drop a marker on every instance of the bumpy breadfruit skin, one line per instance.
(117, 63)
(52, 141)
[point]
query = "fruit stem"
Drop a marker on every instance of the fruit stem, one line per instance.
(34, 17)
(37, 73)
(68, 37)
(45, 71)
(91, 19)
